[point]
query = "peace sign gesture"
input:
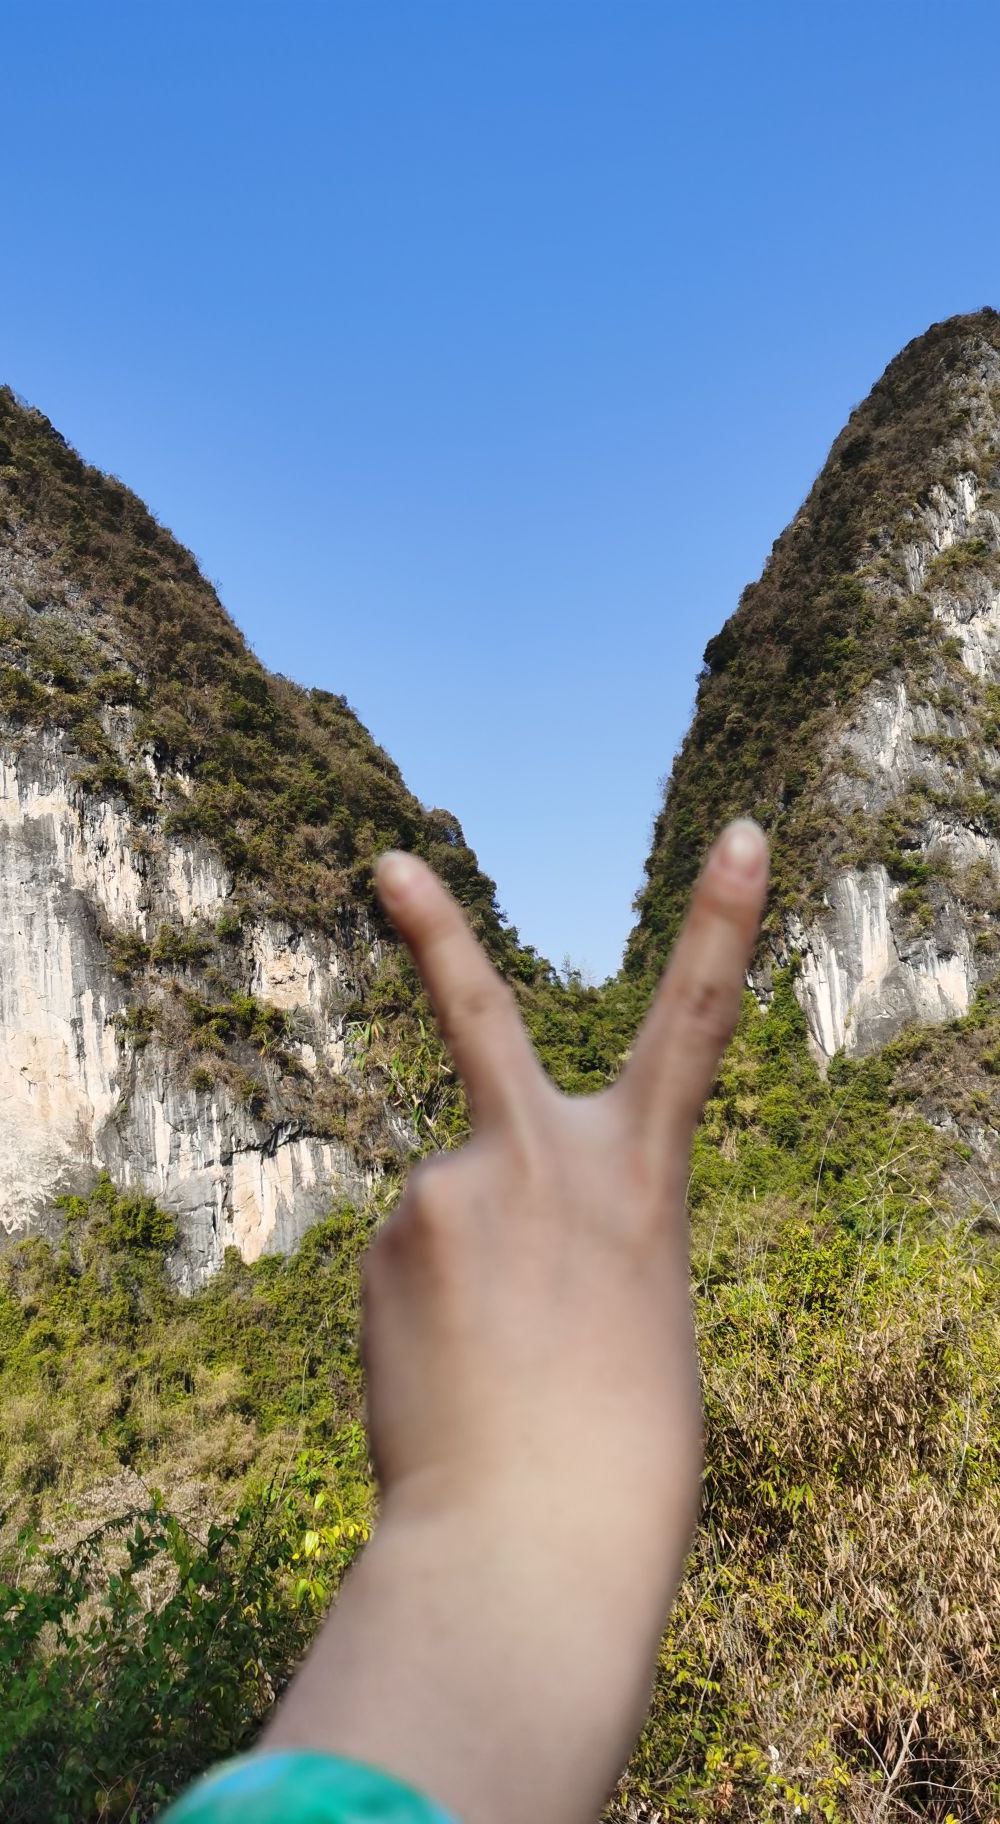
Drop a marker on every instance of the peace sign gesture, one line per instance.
(533, 1389)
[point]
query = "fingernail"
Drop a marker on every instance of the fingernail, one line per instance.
(743, 848)
(395, 873)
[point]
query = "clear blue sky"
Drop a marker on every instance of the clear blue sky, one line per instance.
(480, 350)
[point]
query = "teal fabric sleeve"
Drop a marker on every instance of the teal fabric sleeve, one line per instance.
(301, 1788)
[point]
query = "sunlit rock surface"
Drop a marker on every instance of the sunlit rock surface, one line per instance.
(76, 1095)
(866, 973)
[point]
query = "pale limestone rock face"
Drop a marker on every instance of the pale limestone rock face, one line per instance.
(74, 1096)
(300, 970)
(950, 515)
(864, 973)
(973, 618)
(859, 984)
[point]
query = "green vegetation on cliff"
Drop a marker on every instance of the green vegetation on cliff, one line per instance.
(284, 782)
(110, 634)
(832, 611)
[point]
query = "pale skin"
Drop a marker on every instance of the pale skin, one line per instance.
(534, 1404)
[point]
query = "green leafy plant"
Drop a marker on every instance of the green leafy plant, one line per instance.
(134, 1659)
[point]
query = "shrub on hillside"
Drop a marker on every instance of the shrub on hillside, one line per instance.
(834, 1649)
(131, 1661)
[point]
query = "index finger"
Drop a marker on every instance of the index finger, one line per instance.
(475, 1009)
(676, 1055)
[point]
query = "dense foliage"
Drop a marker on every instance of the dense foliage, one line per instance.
(150, 1648)
(186, 1478)
(835, 1646)
(105, 1367)
(184, 1482)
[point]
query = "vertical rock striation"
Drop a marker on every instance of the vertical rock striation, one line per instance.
(79, 1092)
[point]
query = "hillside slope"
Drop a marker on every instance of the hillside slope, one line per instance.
(852, 702)
(189, 947)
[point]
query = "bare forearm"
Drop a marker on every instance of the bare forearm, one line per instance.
(469, 1657)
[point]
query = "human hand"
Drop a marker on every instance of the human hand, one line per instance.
(533, 1389)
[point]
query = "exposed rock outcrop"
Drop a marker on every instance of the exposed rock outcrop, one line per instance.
(867, 970)
(187, 929)
(79, 1092)
(853, 703)
(187, 932)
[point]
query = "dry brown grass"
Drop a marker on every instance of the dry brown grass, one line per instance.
(836, 1647)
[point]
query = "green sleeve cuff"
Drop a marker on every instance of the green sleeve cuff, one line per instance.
(297, 1787)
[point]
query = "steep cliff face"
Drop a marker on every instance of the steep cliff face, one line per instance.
(853, 703)
(188, 941)
(82, 1090)
(912, 936)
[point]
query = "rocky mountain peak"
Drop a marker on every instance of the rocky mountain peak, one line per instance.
(188, 944)
(853, 703)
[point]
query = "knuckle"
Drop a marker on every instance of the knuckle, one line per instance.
(480, 1001)
(423, 1196)
(711, 901)
(423, 1222)
(706, 1008)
